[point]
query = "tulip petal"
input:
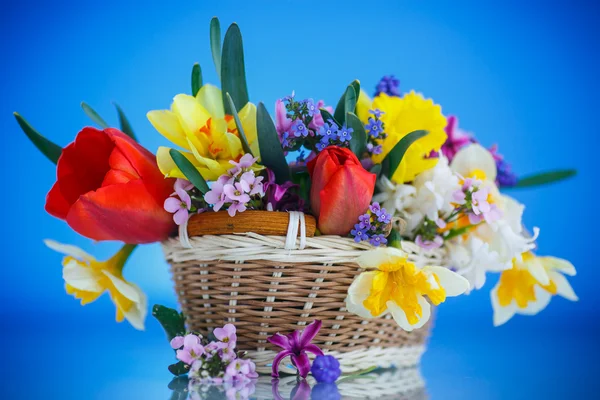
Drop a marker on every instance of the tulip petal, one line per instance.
(167, 123)
(321, 169)
(345, 197)
(56, 204)
(125, 212)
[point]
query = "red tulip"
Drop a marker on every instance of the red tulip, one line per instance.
(341, 190)
(109, 188)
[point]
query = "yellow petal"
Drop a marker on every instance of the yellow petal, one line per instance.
(169, 169)
(209, 169)
(167, 124)
(80, 276)
(209, 96)
(363, 105)
(192, 115)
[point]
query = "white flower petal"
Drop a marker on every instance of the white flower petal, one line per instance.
(512, 213)
(372, 259)
(501, 314)
(537, 270)
(554, 263)
(542, 299)
(453, 283)
(399, 316)
(82, 277)
(126, 289)
(69, 250)
(472, 157)
(137, 315)
(563, 287)
(358, 292)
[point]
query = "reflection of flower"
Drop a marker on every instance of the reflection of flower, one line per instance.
(398, 286)
(529, 285)
(326, 369)
(296, 345)
(87, 279)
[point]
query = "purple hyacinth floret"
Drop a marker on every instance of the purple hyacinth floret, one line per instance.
(389, 85)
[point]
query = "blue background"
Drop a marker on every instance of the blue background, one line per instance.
(523, 75)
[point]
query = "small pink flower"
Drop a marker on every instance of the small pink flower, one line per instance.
(237, 192)
(183, 184)
(179, 207)
(215, 195)
(236, 207)
(177, 342)
(192, 349)
(436, 243)
(226, 335)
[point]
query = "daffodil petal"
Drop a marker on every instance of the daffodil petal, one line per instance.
(247, 117)
(563, 287)
(372, 259)
(69, 250)
(209, 96)
(542, 299)
(167, 123)
(501, 314)
(453, 283)
(537, 270)
(474, 157)
(136, 315)
(192, 115)
(358, 292)
(399, 316)
(558, 264)
(82, 277)
(124, 288)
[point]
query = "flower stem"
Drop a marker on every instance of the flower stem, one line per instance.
(121, 257)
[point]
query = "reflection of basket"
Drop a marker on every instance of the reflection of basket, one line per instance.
(269, 284)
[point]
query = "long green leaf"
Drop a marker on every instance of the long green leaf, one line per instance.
(347, 103)
(90, 112)
(124, 122)
(545, 178)
(190, 172)
(48, 148)
(356, 86)
(358, 142)
(196, 79)
(233, 74)
(271, 153)
(238, 123)
(215, 43)
(394, 157)
(328, 117)
(171, 320)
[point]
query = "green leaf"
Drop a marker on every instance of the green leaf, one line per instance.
(179, 368)
(394, 157)
(302, 179)
(190, 172)
(271, 153)
(48, 148)
(89, 111)
(238, 124)
(179, 386)
(171, 320)
(376, 169)
(328, 117)
(233, 75)
(545, 178)
(358, 142)
(356, 86)
(124, 123)
(394, 239)
(346, 104)
(196, 79)
(215, 43)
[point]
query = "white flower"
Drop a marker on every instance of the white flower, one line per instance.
(435, 188)
(394, 198)
(474, 161)
(398, 286)
(473, 259)
(529, 285)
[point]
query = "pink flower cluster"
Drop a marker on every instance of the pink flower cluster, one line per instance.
(474, 197)
(236, 189)
(180, 202)
(204, 358)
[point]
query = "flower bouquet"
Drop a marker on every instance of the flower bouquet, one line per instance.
(359, 217)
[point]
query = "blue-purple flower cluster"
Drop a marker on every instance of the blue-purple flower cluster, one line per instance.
(375, 130)
(331, 134)
(373, 226)
(389, 85)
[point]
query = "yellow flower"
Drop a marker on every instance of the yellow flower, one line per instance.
(402, 116)
(87, 279)
(398, 286)
(199, 124)
(529, 285)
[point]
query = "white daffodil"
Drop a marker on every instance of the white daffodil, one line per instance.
(394, 284)
(87, 279)
(529, 285)
(394, 197)
(473, 258)
(474, 161)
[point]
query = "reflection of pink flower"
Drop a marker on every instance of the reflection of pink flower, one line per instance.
(296, 345)
(457, 138)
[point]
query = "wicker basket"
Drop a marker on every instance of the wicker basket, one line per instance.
(263, 286)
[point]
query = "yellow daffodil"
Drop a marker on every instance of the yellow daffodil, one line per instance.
(87, 279)
(529, 285)
(199, 124)
(404, 115)
(398, 286)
